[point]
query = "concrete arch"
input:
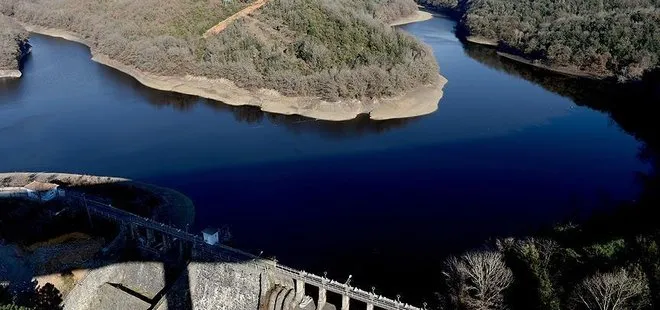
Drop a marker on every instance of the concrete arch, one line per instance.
(289, 300)
(279, 302)
(272, 298)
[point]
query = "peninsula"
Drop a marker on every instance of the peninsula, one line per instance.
(13, 46)
(615, 39)
(329, 60)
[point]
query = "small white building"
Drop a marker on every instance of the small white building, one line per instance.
(43, 191)
(211, 236)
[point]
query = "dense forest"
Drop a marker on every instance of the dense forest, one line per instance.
(331, 49)
(608, 38)
(13, 41)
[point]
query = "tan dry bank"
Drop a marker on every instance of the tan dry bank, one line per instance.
(10, 74)
(418, 16)
(419, 101)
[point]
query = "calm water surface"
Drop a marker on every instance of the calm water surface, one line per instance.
(502, 155)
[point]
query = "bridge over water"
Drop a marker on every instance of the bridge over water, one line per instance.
(172, 237)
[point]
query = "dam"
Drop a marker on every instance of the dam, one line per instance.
(214, 276)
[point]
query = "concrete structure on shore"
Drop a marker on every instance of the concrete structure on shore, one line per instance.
(214, 276)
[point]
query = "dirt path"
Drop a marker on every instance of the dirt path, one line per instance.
(242, 13)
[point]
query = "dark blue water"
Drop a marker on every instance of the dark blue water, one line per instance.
(502, 155)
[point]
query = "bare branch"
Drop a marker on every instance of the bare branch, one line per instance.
(610, 291)
(477, 280)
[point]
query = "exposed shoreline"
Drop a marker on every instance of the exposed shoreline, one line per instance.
(419, 101)
(474, 39)
(419, 16)
(560, 70)
(481, 41)
(10, 74)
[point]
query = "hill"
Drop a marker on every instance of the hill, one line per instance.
(606, 38)
(337, 51)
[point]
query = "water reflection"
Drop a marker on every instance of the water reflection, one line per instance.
(7, 85)
(630, 105)
(362, 125)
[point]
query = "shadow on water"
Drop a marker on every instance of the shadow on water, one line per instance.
(362, 125)
(11, 84)
(630, 105)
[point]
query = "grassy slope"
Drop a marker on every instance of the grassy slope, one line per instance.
(326, 48)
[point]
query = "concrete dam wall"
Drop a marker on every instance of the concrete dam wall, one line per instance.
(208, 286)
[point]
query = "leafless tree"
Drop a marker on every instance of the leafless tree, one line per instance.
(477, 280)
(611, 291)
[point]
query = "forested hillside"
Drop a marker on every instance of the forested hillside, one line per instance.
(13, 40)
(326, 48)
(605, 37)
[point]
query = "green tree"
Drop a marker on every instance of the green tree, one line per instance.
(48, 298)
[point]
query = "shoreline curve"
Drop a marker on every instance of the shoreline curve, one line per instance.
(481, 41)
(559, 70)
(519, 59)
(419, 16)
(418, 101)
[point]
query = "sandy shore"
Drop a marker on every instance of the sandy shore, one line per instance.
(10, 74)
(419, 16)
(419, 101)
(481, 40)
(561, 70)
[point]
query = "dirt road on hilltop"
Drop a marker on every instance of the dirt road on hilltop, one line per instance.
(231, 19)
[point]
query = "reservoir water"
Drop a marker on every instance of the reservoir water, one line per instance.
(509, 150)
